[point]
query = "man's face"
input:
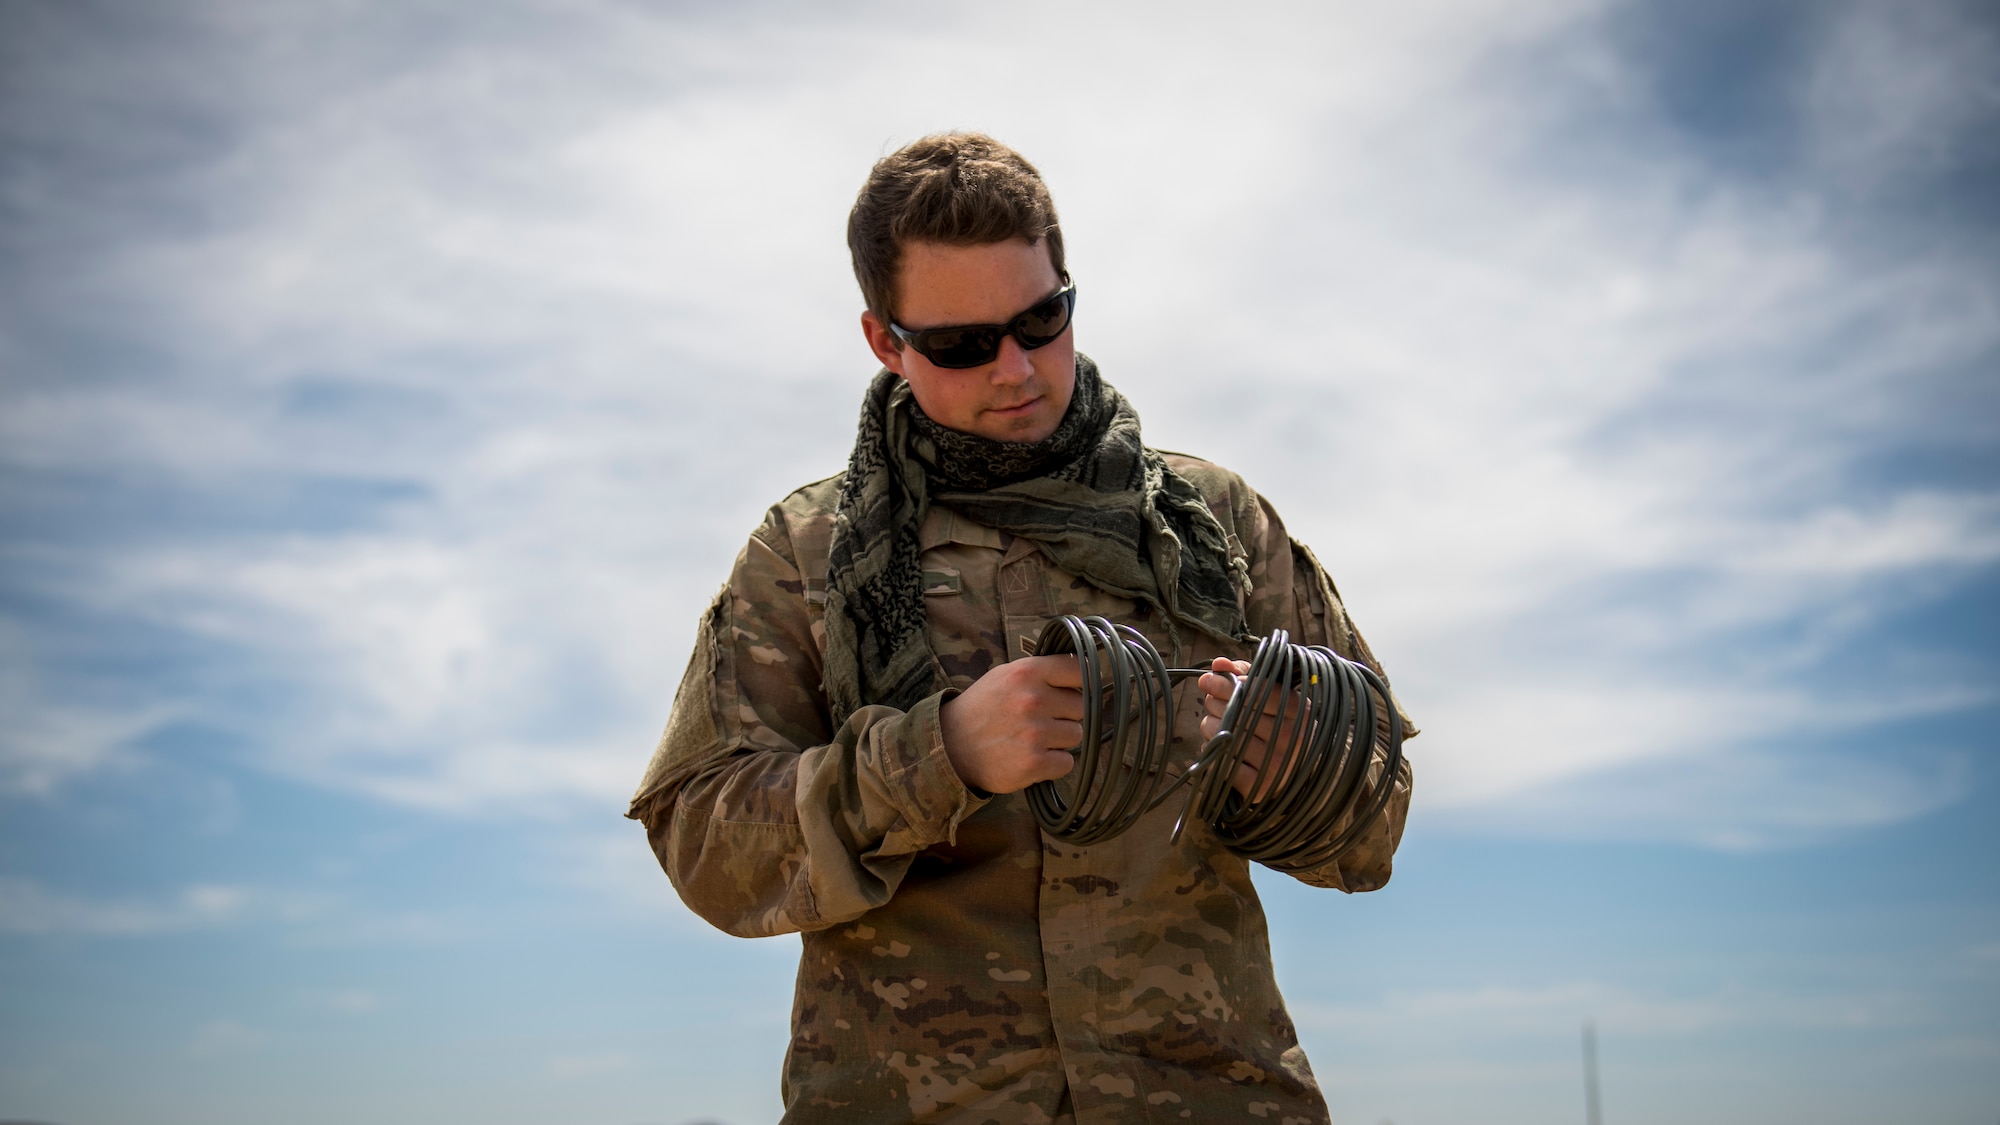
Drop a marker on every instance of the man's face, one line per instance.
(1021, 395)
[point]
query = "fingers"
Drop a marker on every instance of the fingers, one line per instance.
(1059, 703)
(1059, 734)
(1061, 671)
(1054, 764)
(1251, 777)
(1220, 681)
(1245, 781)
(1266, 728)
(1296, 712)
(1216, 688)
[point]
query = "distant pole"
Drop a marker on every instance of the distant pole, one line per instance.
(1592, 1114)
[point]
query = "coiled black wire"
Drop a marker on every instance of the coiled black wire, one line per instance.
(1324, 711)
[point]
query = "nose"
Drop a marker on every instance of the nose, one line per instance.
(1012, 365)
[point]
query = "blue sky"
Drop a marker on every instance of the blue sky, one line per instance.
(385, 388)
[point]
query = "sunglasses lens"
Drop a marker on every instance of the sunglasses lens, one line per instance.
(1044, 322)
(977, 345)
(960, 347)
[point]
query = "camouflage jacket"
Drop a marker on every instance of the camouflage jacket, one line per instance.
(957, 965)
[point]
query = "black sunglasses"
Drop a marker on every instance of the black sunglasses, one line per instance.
(973, 345)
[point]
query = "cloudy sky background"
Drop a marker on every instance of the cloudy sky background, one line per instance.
(384, 389)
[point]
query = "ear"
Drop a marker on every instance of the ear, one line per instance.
(887, 348)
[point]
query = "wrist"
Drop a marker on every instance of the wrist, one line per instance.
(953, 732)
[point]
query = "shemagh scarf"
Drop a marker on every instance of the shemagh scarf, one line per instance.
(1100, 503)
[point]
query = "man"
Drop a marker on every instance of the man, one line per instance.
(846, 754)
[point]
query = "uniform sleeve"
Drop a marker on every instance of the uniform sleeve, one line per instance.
(766, 820)
(1290, 590)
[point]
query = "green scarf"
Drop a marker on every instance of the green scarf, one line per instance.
(1103, 505)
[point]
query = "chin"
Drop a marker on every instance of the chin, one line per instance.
(1033, 427)
(1025, 431)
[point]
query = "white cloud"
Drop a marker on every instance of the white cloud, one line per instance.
(28, 908)
(45, 743)
(304, 918)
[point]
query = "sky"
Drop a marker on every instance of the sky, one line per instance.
(386, 388)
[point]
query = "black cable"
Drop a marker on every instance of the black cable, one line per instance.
(1323, 709)
(1120, 773)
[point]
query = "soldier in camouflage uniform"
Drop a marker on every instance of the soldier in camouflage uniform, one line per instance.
(846, 754)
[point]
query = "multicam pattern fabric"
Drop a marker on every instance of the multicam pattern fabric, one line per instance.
(1098, 501)
(956, 965)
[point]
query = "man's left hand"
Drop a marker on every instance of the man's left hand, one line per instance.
(1251, 778)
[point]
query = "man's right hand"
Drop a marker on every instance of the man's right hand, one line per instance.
(1013, 726)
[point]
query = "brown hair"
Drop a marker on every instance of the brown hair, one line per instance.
(960, 189)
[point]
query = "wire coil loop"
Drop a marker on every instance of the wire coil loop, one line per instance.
(1318, 710)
